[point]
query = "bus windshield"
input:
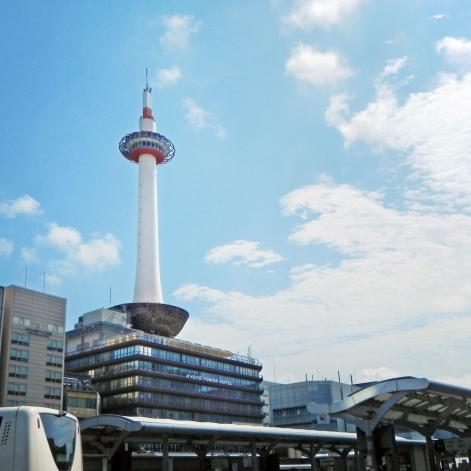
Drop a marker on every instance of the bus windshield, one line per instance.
(61, 436)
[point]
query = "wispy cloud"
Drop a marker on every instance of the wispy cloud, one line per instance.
(6, 247)
(309, 14)
(167, 77)
(456, 51)
(200, 119)
(439, 16)
(307, 64)
(29, 255)
(179, 29)
(242, 252)
(393, 66)
(23, 205)
(96, 254)
(432, 130)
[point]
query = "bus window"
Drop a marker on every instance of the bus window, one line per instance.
(61, 435)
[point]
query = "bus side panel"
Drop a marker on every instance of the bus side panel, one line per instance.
(26, 444)
(7, 440)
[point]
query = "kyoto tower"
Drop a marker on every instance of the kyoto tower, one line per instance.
(149, 149)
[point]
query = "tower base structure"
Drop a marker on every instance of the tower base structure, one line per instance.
(155, 318)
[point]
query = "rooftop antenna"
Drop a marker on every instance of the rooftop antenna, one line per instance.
(26, 275)
(44, 282)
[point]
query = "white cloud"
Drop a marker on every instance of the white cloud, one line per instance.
(393, 66)
(200, 119)
(167, 77)
(242, 252)
(432, 130)
(457, 51)
(402, 280)
(376, 374)
(23, 205)
(309, 14)
(29, 255)
(6, 247)
(179, 28)
(96, 254)
(439, 16)
(318, 68)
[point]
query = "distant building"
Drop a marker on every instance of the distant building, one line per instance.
(31, 348)
(79, 397)
(288, 404)
(142, 374)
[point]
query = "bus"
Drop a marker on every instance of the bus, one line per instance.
(39, 439)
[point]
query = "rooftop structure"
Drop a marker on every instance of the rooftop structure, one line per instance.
(149, 149)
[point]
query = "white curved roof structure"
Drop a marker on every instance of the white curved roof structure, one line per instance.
(416, 403)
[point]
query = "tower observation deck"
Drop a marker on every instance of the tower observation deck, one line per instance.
(149, 149)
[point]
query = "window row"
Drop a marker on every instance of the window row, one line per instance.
(180, 401)
(52, 392)
(82, 402)
(289, 411)
(172, 385)
(18, 372)
(163, 355)
(24, 340)
(17, 354)
(16, 389)
(20, 339)
(55, 345)
(210, 378)
(19, 389)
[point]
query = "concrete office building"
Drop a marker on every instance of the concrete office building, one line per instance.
(32, 348)
(143, 374)
(288, 404)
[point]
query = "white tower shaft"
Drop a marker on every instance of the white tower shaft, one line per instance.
(148, 287)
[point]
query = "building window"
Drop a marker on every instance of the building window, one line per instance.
(20, 339)
(17, 389)
(51, 405)
(21, 321)
(82, 402)
(55, 345)
(14, 403)
(19, 355)
(55, 328)
(18, 372)
(53, 376)
(52, 393)
(53, 360)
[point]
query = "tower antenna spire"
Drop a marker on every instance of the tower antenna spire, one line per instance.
(147, 82)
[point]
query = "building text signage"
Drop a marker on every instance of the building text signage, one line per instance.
(210, 380)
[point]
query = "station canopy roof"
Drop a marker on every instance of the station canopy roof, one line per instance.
(103, 434)
(108, 431)
(416, 403)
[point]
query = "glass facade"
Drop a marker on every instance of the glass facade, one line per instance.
(288, 404)
(152, 376)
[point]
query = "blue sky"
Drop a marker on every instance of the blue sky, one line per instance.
(318, 208)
